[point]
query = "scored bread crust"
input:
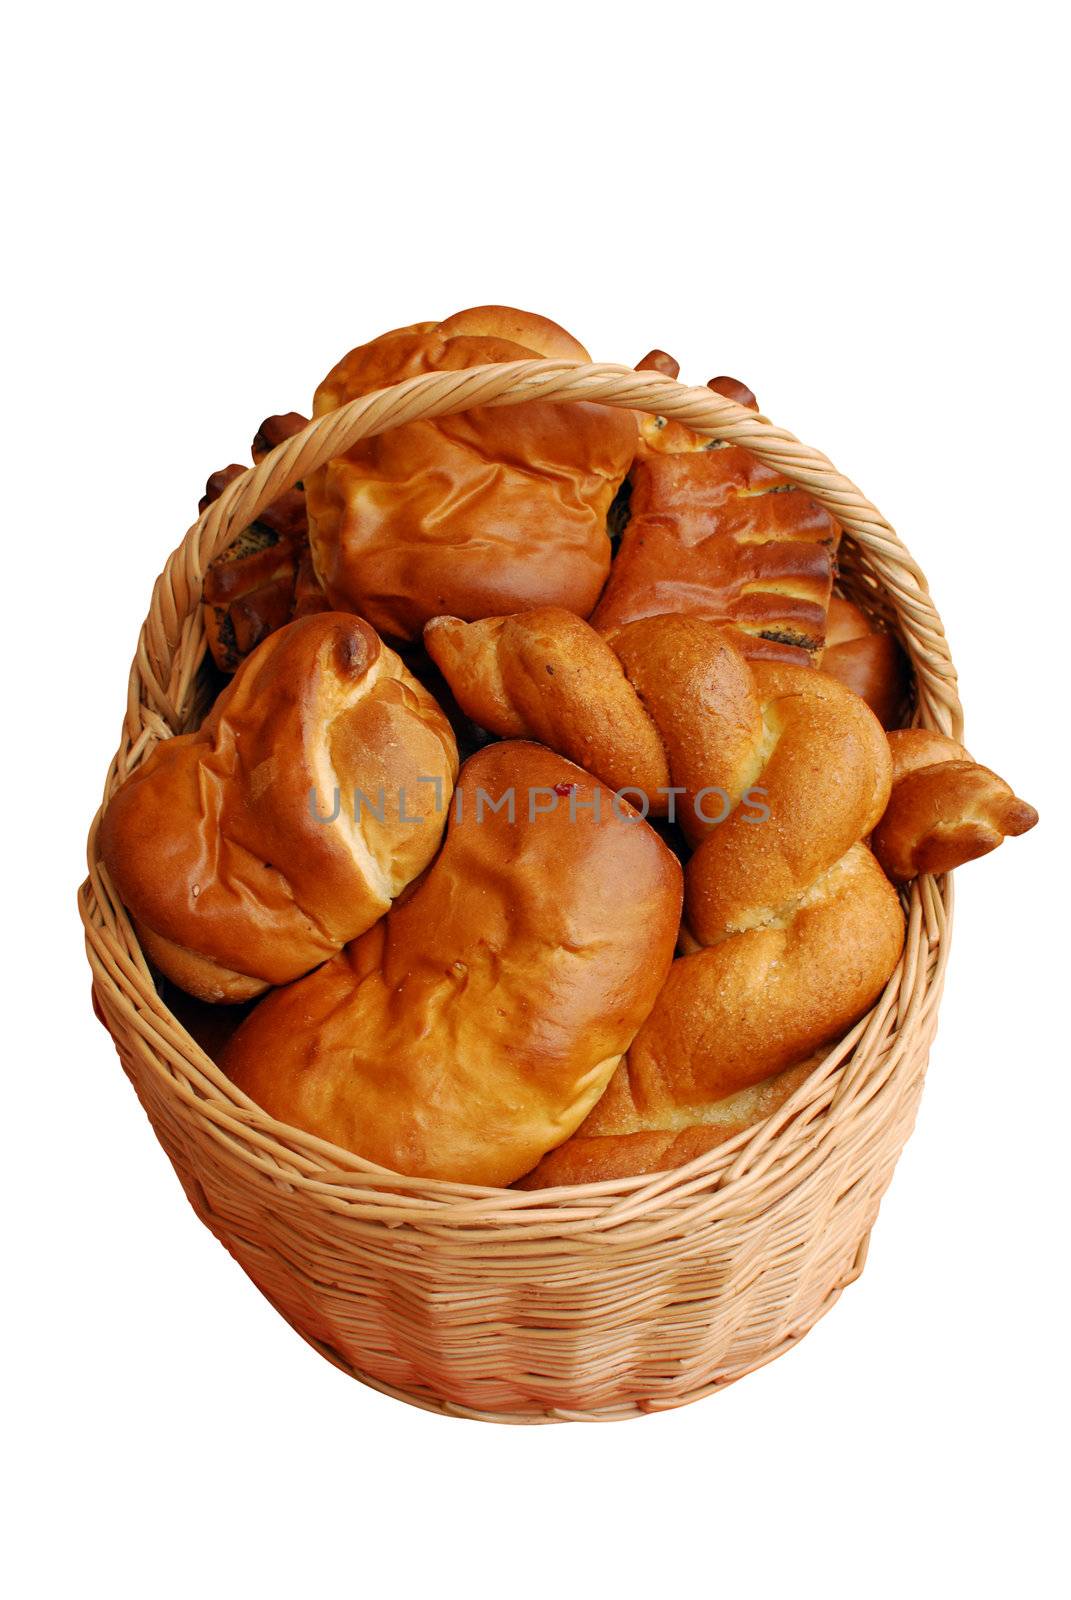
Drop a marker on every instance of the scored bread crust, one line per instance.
(476, 1025)
(492, 511)
(212, 843)
(718, 534)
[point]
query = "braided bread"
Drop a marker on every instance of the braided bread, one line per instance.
(546, 675)
(944, 808)
(791, 928)
(215, 843)
(475, 1026)
(476, 515)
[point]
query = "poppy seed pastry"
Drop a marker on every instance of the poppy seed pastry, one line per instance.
(492, 511)
(217, 843)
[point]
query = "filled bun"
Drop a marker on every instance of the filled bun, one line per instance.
(216, 843)
(477, 1024)
(492, 511)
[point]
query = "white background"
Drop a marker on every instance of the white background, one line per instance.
(857, 210)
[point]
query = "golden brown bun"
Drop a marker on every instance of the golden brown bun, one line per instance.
(659, 361)
(700, 693)
(871, 663)
(624, 1137)
(476, 515)
(822, 763)
(663, 435)
(715, 533)
(264, 578)
(792, 930)
(212, 844)
(475, 1026)
(546, 675)
(944, 809)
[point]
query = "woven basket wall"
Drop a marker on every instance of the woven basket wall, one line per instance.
(595, 1301)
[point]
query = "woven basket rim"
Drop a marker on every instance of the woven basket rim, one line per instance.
(774, 1155)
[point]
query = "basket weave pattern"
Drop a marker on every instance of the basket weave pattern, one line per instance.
(594, 1301)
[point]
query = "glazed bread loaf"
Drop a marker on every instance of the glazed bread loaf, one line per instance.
(215, 843)
(476, 515)
(546, 675)
(944, 809)
(791, 928)
(475, 1026)
(867, 661)
(715, 533)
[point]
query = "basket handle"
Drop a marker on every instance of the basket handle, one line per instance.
(161, 677)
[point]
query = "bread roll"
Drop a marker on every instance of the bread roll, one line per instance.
(717, 534)
(232, 881)
(481, 514)
(546, 675)
(944, 808)
(791, 928)
(868, 661)
(475, 1026)
(626, 1136)
(264, 578)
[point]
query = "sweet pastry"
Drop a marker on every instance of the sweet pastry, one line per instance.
(489, 512)
(791, 929)
(944, 808)
(264, 578)
(504, 1004)
(867, 660)
(546, 675)
(627, 1136)
(715, 533)
(475, 1026)
(217, 843)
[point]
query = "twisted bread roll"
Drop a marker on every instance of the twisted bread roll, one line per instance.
(215, 843)
(546, 675)
(792, 929)
(866, 660)
(476, 515)
(627, 1137)
(944, 808)
(477, 1024)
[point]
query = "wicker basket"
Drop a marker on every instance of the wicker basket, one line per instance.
(596, 1301)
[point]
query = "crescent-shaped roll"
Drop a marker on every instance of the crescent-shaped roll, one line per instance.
(944, 808)
(476, 1025)
(492, 511)
(546, 675)
(314, 791)
(866, 660)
